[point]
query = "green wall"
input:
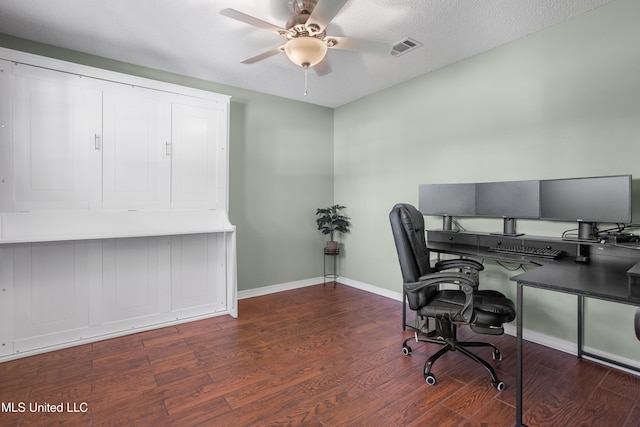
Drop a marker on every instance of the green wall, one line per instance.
(280, 171)
(562, 102)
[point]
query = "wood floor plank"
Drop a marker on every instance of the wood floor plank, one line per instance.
(471, 397)
(360, 408)
(196, 412)
(621, 383)
(255, 412)
(419, 401)
(500, 414)
(152, 414)
(440, 416)
(604, 408)
(209, 394)
(313, 356)
(551, 411)
(633, 417)
(268, 386)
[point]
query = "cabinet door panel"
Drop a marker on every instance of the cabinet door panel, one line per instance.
(136, 159)
(130, 282)
(56, 118)
(197, 275)
(51, 294)
(198, 157)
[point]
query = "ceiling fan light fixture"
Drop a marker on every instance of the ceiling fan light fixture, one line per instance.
(303, 6)
(305, 51)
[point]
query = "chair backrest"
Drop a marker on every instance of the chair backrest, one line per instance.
(407, 225)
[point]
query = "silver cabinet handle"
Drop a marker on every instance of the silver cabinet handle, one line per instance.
(167, 148)
(96, 142)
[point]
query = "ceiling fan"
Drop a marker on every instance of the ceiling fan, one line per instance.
(306, 40)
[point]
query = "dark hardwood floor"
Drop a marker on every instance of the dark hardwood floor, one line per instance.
(314, 356)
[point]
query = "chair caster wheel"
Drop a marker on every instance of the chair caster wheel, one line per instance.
(430, 379)
(499, 385)
(497, 355)
(406, 350)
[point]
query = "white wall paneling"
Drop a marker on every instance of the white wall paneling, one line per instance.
(113, 204)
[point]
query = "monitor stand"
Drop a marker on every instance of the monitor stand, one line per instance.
(508, 228)
(586, 230)
(447, 224)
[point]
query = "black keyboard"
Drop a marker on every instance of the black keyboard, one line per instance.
(527, 251)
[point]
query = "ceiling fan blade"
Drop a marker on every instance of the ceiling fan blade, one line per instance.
(368, 46)
(322, 68)
(261, 56)
(247, 19)
(324, 12)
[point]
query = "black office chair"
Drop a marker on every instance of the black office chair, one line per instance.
(484, 311)
(637, 323)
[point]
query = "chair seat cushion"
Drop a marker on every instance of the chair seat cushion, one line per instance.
(491, 308)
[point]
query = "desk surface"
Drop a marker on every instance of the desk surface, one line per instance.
(601, 278)
(604, 277)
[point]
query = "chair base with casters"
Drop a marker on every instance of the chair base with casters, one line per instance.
(448, 339)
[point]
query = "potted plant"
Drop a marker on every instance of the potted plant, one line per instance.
(329, 221)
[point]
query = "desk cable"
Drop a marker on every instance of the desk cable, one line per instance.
(520, 266)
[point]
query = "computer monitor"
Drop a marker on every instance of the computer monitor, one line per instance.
(508, 200)
(447, 200)
(587, 200)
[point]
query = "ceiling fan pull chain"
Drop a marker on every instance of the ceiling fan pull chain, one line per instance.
(306, 70)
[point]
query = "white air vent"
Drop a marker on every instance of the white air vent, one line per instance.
(404, 46)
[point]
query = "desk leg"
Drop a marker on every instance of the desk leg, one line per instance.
(519, 320)
(580, 325)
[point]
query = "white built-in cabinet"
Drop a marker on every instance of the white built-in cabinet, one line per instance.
(113, 205)
(87, 144)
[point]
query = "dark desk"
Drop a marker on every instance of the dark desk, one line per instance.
(603, 278)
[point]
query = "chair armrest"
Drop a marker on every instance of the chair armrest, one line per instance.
(440, 278)
(464, 281)
(467, 266)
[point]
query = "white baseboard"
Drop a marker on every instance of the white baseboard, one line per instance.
(510, 329)
(373, 289)
(572, 348)
(629, 362)
(250, 293)
(543, 339)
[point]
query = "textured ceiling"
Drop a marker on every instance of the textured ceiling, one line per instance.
(190, 37)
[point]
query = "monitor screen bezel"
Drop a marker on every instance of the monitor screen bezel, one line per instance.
(496, 205)
(624, 217)
(460, 192)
